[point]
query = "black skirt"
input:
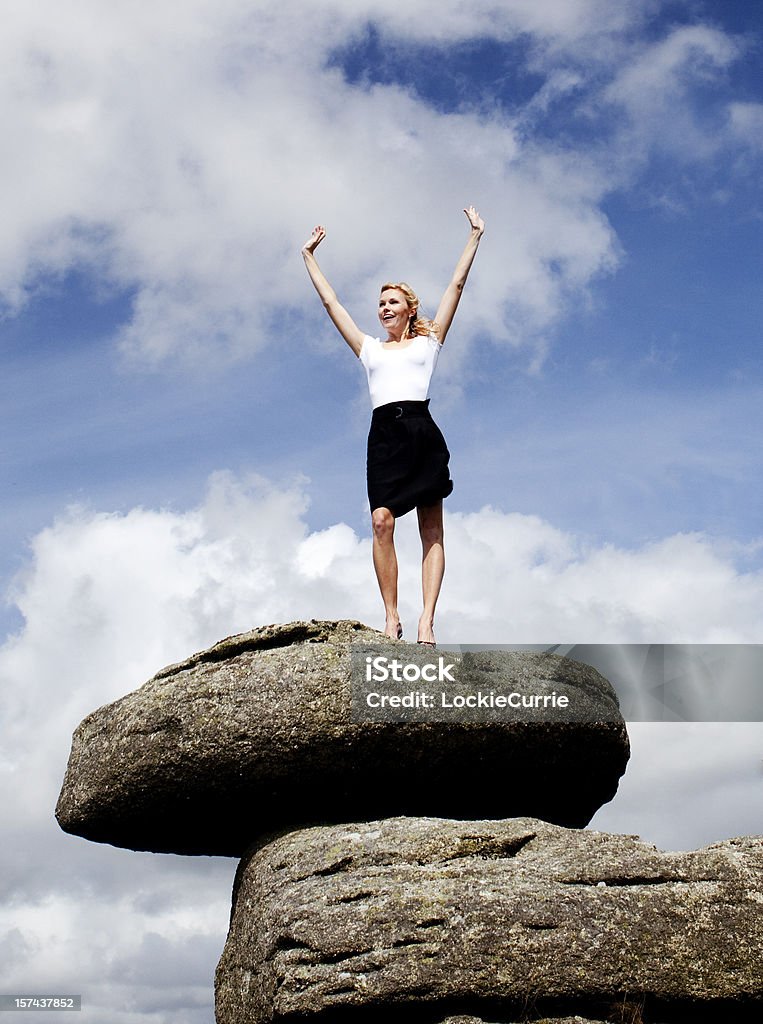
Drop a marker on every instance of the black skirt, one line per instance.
(407, 463)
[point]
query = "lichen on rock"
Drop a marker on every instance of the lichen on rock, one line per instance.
(417, 913)
(255, 736)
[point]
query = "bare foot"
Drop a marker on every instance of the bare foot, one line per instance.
(394, 629)
(426, 632)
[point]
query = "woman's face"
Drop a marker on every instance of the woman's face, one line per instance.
(394, 311)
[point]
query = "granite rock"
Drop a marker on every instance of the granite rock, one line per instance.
(419, 918)
(461, 1019)
(255, 736)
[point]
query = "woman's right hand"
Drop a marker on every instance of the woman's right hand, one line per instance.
(476, 222)
(319, 233)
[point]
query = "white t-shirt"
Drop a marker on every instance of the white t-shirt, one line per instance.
(399, 374)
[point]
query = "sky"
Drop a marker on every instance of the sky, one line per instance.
(182, 433)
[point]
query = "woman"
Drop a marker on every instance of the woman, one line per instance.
(407, 463)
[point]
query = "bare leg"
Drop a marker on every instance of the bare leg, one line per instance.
(385, 564)
(432, 565)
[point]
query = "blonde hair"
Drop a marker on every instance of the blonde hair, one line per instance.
(416, 324)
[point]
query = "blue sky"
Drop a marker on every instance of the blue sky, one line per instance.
(661, 345)
(183, 433)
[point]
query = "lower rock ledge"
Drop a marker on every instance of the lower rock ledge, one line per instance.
(545, 1020)
(461, 1019)
(636, 1013)
(419, 918)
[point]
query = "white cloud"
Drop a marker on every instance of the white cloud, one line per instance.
(128, 962)
(558, 22)
(655, 90)
(109, 599)
(186, 150)
(661, 71)
(746, 120)
(689, 784)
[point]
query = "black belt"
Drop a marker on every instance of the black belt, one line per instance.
(400, 410)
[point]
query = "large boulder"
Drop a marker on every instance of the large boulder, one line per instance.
(412, 919)
(461, 1019)
(257, 735)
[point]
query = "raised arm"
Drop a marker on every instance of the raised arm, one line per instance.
(339, 315)
(449, 302)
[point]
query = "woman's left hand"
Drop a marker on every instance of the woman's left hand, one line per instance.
(475, 220)
(319, 233)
